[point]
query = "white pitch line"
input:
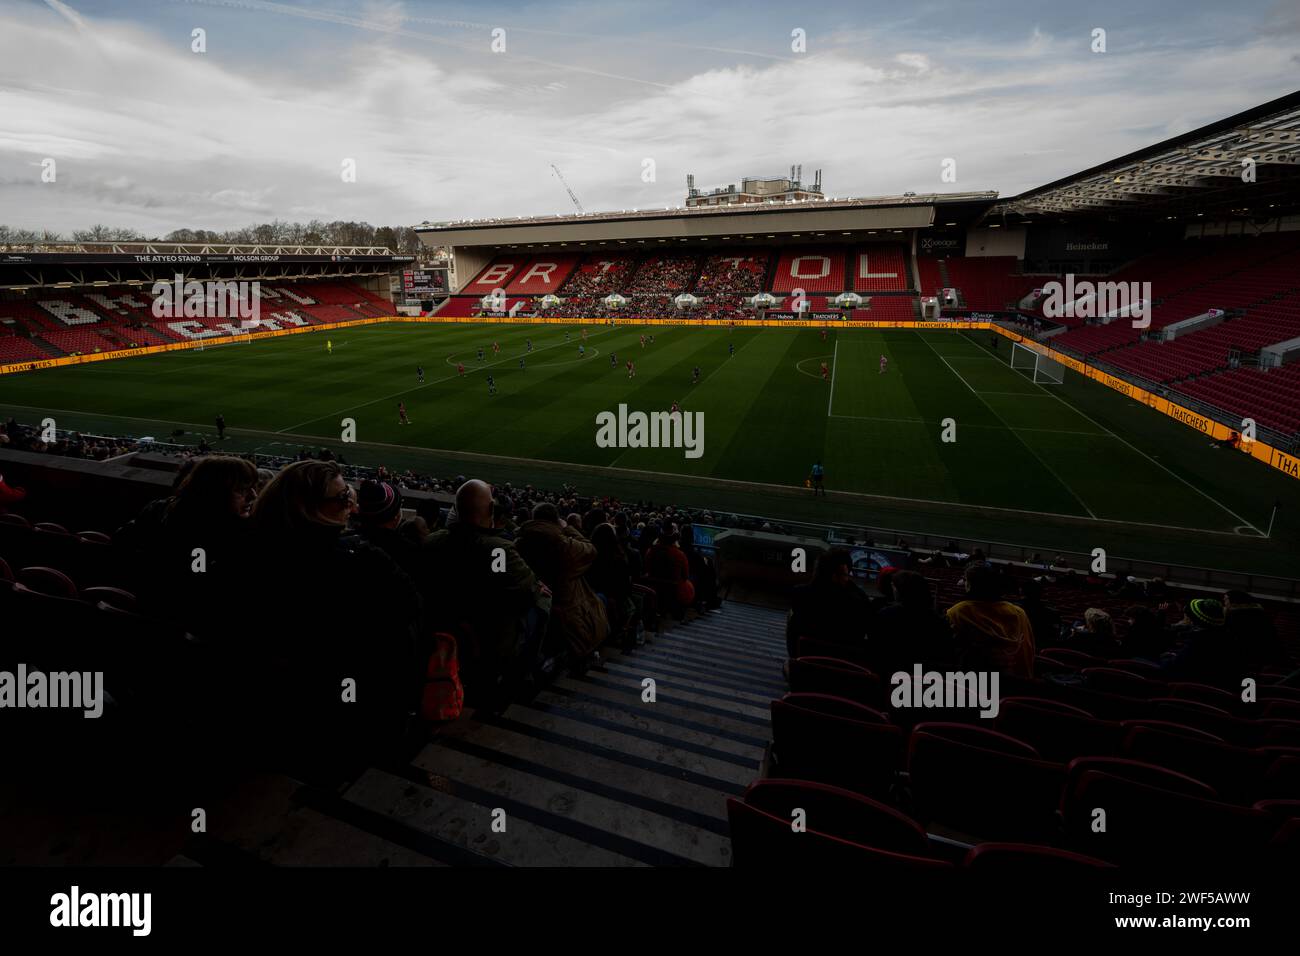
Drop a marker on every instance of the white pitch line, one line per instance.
(835, 362)
(1023, 443)
(1164, 468)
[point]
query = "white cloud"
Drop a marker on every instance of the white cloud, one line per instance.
(151, 136)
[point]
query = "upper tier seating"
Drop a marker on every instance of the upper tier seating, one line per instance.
(811, 268)
(736, 270)
(542, 274)
(665, 274)
(879, 268)
(600, 273)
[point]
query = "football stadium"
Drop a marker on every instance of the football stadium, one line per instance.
(949, 536)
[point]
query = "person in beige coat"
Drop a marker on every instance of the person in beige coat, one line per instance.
(560, 555)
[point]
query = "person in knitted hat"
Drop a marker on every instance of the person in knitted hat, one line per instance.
(379, 512)
(1205, 655)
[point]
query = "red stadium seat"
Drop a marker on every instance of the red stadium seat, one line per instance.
(840, 813)
(828, 675)
(1148, 825)
(759, 839)
(1022, 860)
(832, 740)
(1139, 771)
(48, 581)
(999, 791)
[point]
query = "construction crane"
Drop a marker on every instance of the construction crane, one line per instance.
(560, 177)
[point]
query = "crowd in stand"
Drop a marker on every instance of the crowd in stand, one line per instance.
(1002, 623)
(16, 437)
(318, 584)
(594, 281)
(720, 274)
(665, 274)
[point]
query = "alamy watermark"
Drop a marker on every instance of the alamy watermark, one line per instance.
(1097, 300)
(70, 690)
(946, 689)
(676, 429)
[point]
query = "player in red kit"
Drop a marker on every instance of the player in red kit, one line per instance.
(826, 372)
(631, 369)
(460, 369)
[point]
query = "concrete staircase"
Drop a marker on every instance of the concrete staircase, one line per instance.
(590, 773)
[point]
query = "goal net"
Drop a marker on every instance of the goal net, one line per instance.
(1038, 367)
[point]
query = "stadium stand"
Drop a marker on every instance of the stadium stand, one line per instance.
(599, 273)
(734, 270)
(1272, 398)
(60, 323)
(666, 274)
(541, 274)
(811, 268)
(880, 268)
(1147, 722)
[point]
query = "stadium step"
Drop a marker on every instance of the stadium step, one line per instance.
(591, 772)
(48, 346)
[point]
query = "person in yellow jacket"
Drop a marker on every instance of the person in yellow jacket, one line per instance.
(988, 632)
(329, 347)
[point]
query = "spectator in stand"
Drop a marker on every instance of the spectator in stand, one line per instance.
(9, 495)
(1145, 636)
(610, 576)
(702, 572)
(497, 616)
(909, 631)
(1248, 627)
(1097, 636)
(189, 551)
(1204, 654)
(831, 608)
(1044, 620)
(669, 571)
(333, 613)
(884, 595)
(377, 521)
(990, 633)
(560, 555)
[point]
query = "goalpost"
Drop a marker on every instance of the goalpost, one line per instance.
(1040, 368)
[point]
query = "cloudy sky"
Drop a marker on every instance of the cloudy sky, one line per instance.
(149, 134)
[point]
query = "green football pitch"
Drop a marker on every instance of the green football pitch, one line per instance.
(1035, 453)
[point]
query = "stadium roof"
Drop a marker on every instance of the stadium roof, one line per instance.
(1196, 174)
(775, 205)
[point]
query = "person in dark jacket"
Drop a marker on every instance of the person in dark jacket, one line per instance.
(1145, 635)
(909, 631)
(1249, 627)
(188, 551)
(478, 588)
(702, 572)
(332, 652)
(561, 556)
(1044, 620)
(1204, 654)
(378, 519)
(830, 608)
(610, 576)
